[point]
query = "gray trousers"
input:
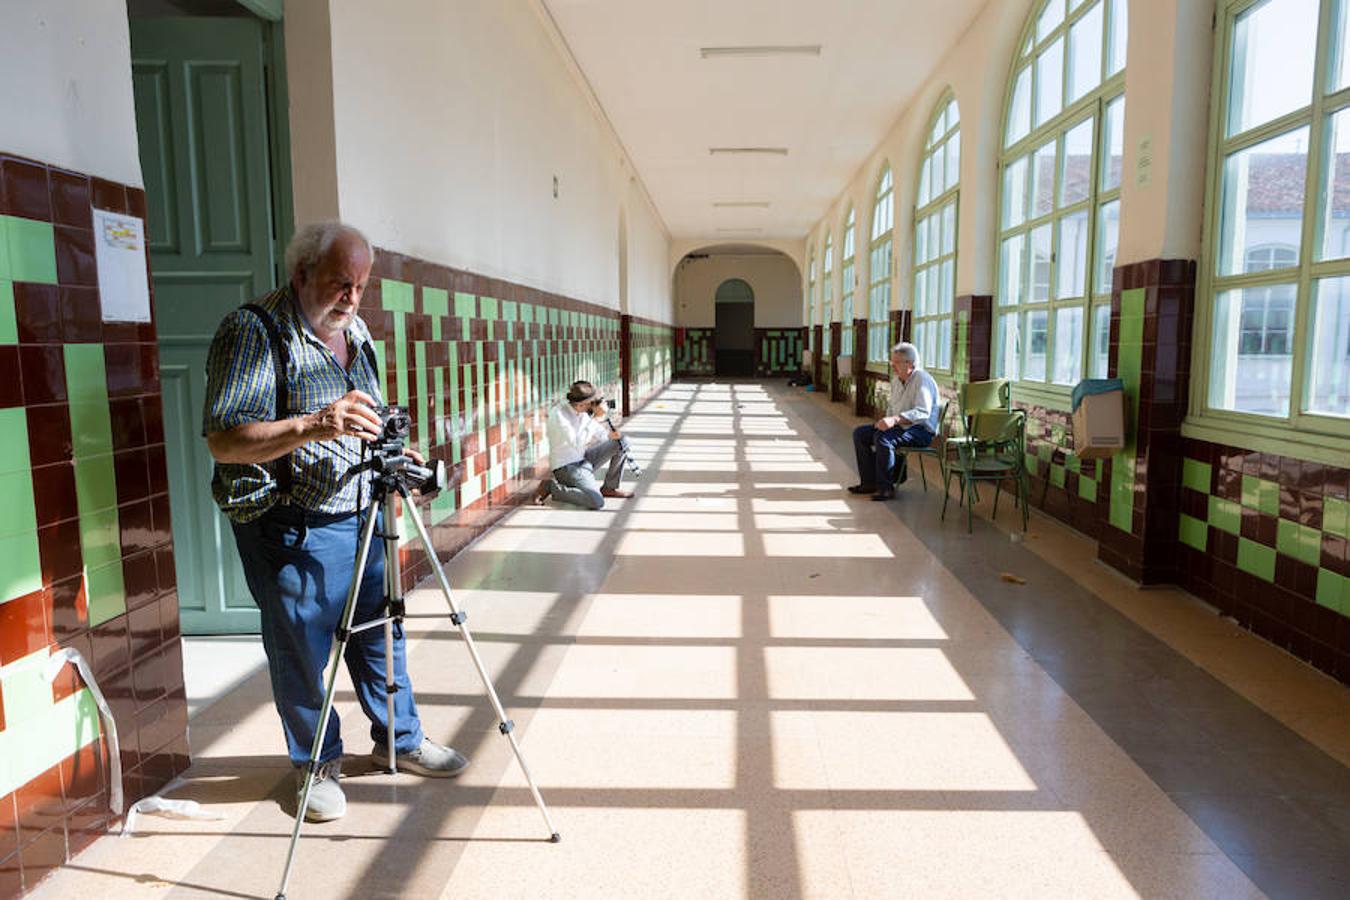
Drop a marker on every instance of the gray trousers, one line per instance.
(575, 483)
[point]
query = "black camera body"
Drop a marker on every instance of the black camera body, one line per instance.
(395, 426)
(395, 423)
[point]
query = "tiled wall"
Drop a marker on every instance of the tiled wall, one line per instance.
(695, 355)
(648, 351)
(479, 362)
(85, 530)
(778, 351)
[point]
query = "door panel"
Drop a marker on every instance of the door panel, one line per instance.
(201, 115)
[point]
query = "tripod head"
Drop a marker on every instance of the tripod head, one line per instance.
(393, 468)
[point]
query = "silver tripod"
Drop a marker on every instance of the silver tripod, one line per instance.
(394, 473)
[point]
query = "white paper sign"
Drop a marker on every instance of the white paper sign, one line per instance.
(1143, 164)
(119, 248)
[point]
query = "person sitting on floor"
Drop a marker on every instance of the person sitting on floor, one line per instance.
(579, 441)
(910, 421)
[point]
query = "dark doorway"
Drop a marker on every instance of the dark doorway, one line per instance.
(734, 338)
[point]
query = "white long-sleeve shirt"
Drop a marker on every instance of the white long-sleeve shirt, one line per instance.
(570, 433)
(915, 400)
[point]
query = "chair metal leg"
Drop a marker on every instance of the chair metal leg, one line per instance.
(998, 489)
(923, 473)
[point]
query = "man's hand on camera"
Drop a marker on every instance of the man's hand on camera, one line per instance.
(348, 416)
(614, 435)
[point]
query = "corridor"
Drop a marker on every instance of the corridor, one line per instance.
(743, 682)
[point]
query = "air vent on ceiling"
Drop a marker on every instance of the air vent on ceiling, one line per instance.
(761, 50)
(741, 204)
(770, 151)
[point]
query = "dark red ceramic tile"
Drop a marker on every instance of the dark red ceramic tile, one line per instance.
(59, 550)
(109, 195)
(54, 493)
(25, 626)
(128, 428)
(157, 726)
(152, 415)
(1334, 553)
(164, 568)
(49, 438)
(130, 469)
(70, 199)
(70, 608)
(44, 374)
(148, 374)
(68, 680)
(87, 826)
(121, 333)
(11, 379)
(112, 655)
(1310, 509)
(43, 855)
(40, 804)
(81, 315)
(24, 190)
(144, 633)
(9, 826)
(11, 875)
(122, 363)
(159, 474)
(75, 264)
(37, 312)
(173, 666)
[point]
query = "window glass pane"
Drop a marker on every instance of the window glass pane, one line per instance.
(949, 228)
(1341, 76)
(1076, 170)
(1012, 264)
(1015, 193)
(1108, 238)
(1085, 53)
(1038, 338)
(1050, 82)
(945, 343)
(1041, 249)
(1120, 29)
(1072, 257)
(1050, 17)
(924, 195)
(934, 285)
(1271, 66)
(1262, 198)
(921, 252)
(936, 175)
(935, 234)
(944, 295)
(1115, 143)
(1100, 364)
(1019, 111)
(953, 165)
(1009, 347)
(1043, 179)
(1329, 386)
(1335, 212)
(1068, 345)
(1251, 361)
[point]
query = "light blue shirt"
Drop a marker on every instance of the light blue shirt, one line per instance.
(915, 400)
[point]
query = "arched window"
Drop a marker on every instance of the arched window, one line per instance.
(846, 294)
(810, 299)
(879, 271)
(935, 237)
(735, 290)
(1059, 213)
(827, 285)
(1273, 332)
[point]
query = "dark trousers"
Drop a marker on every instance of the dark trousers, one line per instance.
(876, 450)
(299, 569)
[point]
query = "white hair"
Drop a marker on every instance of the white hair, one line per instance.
(908, 351)
(312, 242)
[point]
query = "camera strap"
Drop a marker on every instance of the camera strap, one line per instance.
(281, 467)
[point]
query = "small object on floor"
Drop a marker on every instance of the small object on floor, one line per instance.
(1011, 578)
(326, 800)
(541, 495)
(863, 489)
(615, 493)
(430, 759)
(883, 496)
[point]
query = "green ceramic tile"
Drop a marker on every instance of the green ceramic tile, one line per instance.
(41, 740)
(1057, 476)
(86, 373)
(5, 272)
(1196, 475)
(1336, 516)
(14, 440)
(91, 428)
(28, 697)
(99, 538)
(1331, 590)
(1087, 488)
(22, 572)
(18, 513)
(487, 306)
(107, 595)
(422, 433)
(9, 328)
(95, 483)
(396, 296)
(509, 310)
(1194, 533)
(466, 306)
(400, 360)
(1256, 559)
(1268, 498)
(1225, 515)
(1251, 492)
(32, 251)
(1299, 541)
(435, 301)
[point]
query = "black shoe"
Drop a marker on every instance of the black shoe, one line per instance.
(883, 495)
(862, 489)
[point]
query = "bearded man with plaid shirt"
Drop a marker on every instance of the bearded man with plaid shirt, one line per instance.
(291, 484)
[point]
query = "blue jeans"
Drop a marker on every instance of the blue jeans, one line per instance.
(876, 450)
(299, 570)
(575, 483)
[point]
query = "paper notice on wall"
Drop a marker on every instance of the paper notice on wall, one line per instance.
(1143, 162)
(119, 248)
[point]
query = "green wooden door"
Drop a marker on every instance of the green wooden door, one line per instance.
(201, 116)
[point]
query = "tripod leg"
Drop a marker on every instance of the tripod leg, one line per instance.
(344, 635)
(393, 592)
(505, 725)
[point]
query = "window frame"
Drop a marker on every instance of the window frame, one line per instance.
(1092, 106)
(826, 286)
(1316, 436)
(809, 318)
(935, 206)
(848, 269)
(878, 361)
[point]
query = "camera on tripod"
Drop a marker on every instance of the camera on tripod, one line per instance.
(390, 461)
(607, 406)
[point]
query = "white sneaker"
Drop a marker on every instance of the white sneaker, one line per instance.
(326, 800)
(430, 759)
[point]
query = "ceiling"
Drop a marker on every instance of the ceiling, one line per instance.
(669, 105)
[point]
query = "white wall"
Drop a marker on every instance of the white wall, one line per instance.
(453, 117)
(774, 278)
(66, 100)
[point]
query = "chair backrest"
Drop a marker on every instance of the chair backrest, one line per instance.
(976, 396)
(998, 426)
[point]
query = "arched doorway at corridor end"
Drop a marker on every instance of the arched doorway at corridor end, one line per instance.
(734, 334)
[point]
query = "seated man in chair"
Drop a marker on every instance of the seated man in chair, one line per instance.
(910, 421)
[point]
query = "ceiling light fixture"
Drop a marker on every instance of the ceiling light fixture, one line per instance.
(739, 230)
(770, 151)
(762, 50)
(741, 204)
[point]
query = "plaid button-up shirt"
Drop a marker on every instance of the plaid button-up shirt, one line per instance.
(241, 388)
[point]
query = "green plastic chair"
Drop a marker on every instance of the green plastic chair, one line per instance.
(937, 449)
(975, 397)
(995, 451)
